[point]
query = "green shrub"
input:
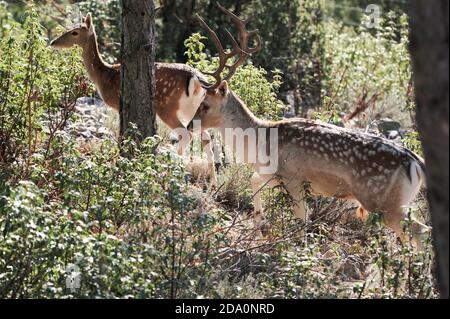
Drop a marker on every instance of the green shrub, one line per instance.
(35, 82)
(356, 72)
(126, 223)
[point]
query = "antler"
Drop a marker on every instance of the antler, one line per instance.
(242, 49)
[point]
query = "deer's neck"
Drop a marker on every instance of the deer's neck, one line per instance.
(249, 137)
(237, 115)
(93, 62)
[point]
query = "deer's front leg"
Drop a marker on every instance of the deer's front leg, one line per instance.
(208, 148)
(258, 182)
(184, 135)
(298, 195)
(299, 206)
(184, 139)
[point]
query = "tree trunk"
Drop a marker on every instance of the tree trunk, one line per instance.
(138, 68)
(429, 50)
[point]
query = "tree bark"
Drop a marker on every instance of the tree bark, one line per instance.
(138, 68)
(429, 50)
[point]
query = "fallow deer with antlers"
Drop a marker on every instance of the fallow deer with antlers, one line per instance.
(333, 161)
(180, 89)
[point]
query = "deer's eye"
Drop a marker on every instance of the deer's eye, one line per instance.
(74, 33)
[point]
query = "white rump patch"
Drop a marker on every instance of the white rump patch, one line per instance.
(411, 189)
(190, 104)
(417, 175)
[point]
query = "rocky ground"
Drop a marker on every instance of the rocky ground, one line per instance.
(96, 121)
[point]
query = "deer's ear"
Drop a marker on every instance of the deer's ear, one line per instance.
(223, 88)
(88, 21)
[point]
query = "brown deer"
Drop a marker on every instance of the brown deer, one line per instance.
(180, 89)
(333, 161)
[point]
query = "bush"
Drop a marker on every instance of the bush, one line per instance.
(35, 82)
(356, 73)
(125, 223)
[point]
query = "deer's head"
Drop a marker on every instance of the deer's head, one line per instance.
(210, 112)
(219, 98)
(77, 35)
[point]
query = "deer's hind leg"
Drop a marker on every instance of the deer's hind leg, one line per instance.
(398, 204)
(395, 212)
(394, 219)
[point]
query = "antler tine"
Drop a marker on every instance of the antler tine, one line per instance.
(236, 48)
(212, 34)
(222, 55)
(240, 49)
(244, 35)
(258, 42)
